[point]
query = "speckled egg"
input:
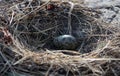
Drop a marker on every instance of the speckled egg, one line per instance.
(67, 42)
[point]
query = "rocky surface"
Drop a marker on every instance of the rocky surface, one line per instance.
(110, 10)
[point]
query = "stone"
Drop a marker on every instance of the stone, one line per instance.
(110, 10)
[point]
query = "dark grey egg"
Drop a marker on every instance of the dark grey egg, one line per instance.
(67, 42)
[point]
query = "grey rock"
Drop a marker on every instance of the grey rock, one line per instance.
(101, 3)
(110, 10)
(107, 18)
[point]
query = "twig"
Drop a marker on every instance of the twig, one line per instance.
(69, 18)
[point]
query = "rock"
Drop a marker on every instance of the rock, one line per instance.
(107, 18)
(110, 10)
(101, 3)
(67, 42)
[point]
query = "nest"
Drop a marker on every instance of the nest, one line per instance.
(29, 29)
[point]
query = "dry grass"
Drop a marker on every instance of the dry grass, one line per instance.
(32, 28)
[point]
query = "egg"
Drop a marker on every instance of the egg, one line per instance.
(67, 42)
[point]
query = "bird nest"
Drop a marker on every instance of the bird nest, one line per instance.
(30, 27)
